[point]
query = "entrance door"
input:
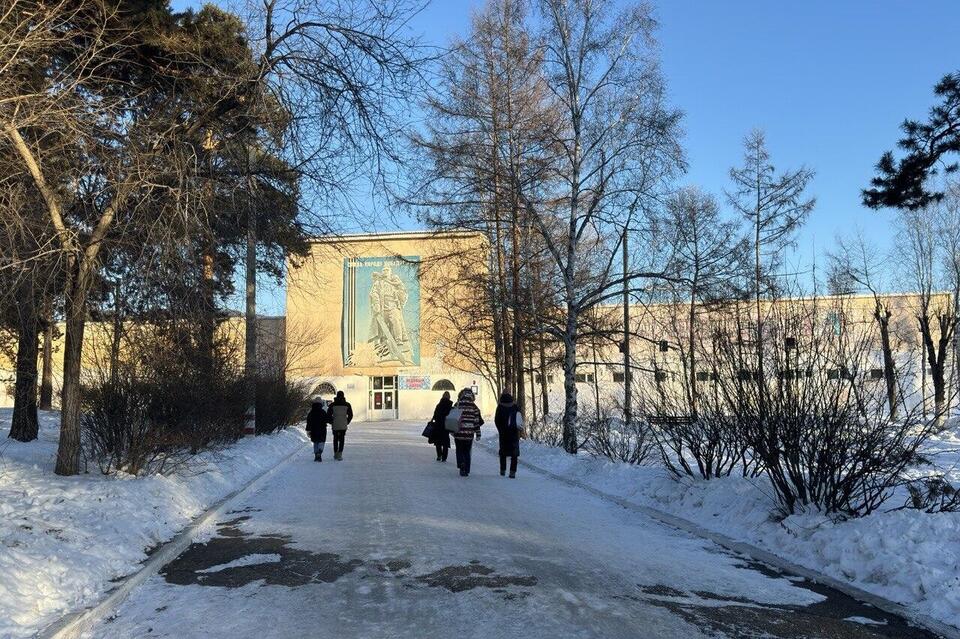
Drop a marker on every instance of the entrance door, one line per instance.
(383, 398)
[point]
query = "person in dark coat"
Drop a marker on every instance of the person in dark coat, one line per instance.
(507, 427)
(470, 423)
(339, 417)
(441, 436)
(317, 428)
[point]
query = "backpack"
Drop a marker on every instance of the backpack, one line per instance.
(452, 422)
(338, 416)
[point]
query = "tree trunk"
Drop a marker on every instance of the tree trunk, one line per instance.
(75, 308)
(24, 426)
(533, 398)
(116, 335)
(544, 385)
(889, 371)
(570, 383)
(627, 374)
(46, 383)
(250, 338)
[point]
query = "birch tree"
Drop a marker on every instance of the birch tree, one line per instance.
(617, 142)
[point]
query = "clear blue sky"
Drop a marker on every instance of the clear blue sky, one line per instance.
(828, 80)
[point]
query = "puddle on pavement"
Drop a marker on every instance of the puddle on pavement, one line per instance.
(474, 575)
(235, 558)
(741, 617)
(295, 567)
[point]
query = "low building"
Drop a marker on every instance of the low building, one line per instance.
(365, 315)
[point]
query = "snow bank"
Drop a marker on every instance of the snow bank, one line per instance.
(909, 557)
(63, 539)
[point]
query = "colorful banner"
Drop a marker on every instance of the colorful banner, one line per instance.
(415, 382)
(380, 325)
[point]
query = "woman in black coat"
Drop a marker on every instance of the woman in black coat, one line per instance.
(317, 427)
(441, 436)
(506, 421)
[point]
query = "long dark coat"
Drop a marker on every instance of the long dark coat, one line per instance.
(317, 423)
(509, 435)
(441, 435)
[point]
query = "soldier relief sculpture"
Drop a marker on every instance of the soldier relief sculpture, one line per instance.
(388, 334)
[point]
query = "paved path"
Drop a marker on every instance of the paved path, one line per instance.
(390, 543)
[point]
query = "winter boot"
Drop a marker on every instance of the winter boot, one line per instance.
(316, 457)
(513, 475)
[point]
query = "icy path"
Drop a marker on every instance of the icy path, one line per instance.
(389, 543)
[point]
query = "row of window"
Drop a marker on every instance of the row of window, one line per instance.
(743, 375)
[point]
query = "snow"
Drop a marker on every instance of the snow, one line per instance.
(254, 559)
(906, 556)
(63, 539)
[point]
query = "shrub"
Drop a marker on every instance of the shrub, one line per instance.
(280, 404)
(169, 398)
(614, 439)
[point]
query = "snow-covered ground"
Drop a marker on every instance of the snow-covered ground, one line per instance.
(62, 539)
(906, 556)
(390, 544)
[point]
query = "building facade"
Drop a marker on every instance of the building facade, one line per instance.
(365, 315)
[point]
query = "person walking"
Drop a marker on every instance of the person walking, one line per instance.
(470, 422)
(317, 428)
(508, 422)
(339, 416)
(441, 436)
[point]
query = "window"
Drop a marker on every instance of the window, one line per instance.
(746, 375)
(443, 385)
(585, 378)
(660, 376)
(325, 388)
(704, 376)
(664, 346)
(549, 378)
(619, 378)
(790, 343)
(841, 373)
(876, 373)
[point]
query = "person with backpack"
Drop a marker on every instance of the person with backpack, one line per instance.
(440, 436)
(317, 428)
(509, 422)
(340, 415)
(469, 422)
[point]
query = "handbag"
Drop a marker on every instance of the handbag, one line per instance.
(518, 424)
(428, 431)
(452, 422)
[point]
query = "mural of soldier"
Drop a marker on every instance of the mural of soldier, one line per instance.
(380, 321)
(388, 333)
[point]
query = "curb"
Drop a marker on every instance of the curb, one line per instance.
(73, 625)
(758, 554)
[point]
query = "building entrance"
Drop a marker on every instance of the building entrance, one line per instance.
(383, 398)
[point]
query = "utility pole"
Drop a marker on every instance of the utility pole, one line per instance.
(627, 376)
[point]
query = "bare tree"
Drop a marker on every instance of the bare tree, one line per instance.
(927, 242)
(618, 143)
(708, 259)
(487, 151)
(775, 206)
(857, 264)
